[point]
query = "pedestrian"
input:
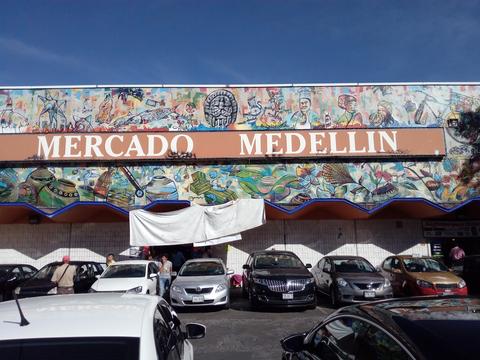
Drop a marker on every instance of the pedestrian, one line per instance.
(63, 277)
(456, 254)
(164, 274)
(178, 260)
(110, 259)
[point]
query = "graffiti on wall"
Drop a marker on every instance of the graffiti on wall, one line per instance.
(130, 187)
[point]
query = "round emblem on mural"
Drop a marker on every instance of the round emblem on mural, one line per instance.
(220, 108)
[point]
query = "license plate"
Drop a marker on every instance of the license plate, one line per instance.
(287, 296)
(369, 294)
(197, 299)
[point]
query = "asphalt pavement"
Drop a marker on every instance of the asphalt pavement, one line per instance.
(239, 333)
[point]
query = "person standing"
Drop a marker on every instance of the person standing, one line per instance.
(456, 254)
(110, 259)
(64, 276)
(164, 274)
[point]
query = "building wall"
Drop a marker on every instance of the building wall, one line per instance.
(309, 239)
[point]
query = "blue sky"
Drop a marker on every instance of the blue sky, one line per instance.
(62, 42)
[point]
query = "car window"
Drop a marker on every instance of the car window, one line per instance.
(152, 269)
(320, 264)
(353, 266)
(277, 261)
(28, 271)
(82, 271)
(387, 264)
(351, 338)
(46, 272)
(202, 268)
(165, 338)
(327, 266)
(396, 264)
(125, 271)
(423, 265)
(17, 273)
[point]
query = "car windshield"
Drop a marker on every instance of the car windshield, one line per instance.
(353, 266)
(202, 268)
(280, 261)
(423, 265)
(125, 271)
(46, 272)
(80, 348)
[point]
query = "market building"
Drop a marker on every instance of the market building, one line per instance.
(356, 169)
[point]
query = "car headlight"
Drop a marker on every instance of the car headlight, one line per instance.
(135, 290)
(309, 281)
(52, 291)
(92, 290)
(387, 283)
(341, 282)
(220, 287)
(17, 290)
(260, 281)
(424, 284)
(462, 284)
(176, 288)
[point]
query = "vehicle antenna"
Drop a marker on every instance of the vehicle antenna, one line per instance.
(23, 320)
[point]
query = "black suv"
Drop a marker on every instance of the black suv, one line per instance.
(278, 278)
(41, 284)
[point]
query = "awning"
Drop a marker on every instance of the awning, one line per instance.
(406, 208)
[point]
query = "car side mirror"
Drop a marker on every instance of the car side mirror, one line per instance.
(195, 331)
(246, 267)
(378, 268)
(308, 266)
(173, 274)
(293, 343)
(97, 276)
(153, 276)
(230, 272)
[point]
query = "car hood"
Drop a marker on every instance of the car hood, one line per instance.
(193, 281)
(361, 277)
(282, 273)
(36, 285)
(117, 284)
(436, 277)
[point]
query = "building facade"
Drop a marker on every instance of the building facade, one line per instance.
(344, 169)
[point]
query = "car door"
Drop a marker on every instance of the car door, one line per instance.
(326, 278)
(349, 337)
(28, 271)
(169, 340)
(83, 278)
(246, 273)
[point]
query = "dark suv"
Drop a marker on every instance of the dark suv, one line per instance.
(41, 284)
(278, 278)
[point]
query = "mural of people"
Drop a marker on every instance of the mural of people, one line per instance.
(305, 118)
(350, 118)
(383, 117)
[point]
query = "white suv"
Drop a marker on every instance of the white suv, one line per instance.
(94, 326)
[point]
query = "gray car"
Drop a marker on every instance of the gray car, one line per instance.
(350, 279)
(201, 282)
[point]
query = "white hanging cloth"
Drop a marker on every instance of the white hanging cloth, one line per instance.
(200, 225)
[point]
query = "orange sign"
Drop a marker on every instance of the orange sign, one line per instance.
(352, 143)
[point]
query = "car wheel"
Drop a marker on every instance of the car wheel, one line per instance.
(333, 297)
(227, 305)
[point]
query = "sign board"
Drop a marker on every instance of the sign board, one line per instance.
(451, 229)
(350, 143)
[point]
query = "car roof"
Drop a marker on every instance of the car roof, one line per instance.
(414, 257)
(273, 252)
(72, 262)
(205, 260)
(14, 264)
(347, 257)
(134, 262)
(80, 315)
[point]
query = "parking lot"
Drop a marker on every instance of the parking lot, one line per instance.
(239, 333)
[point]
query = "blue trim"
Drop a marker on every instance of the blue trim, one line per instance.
(280, 208)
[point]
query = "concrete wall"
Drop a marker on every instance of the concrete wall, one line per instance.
(309, 239)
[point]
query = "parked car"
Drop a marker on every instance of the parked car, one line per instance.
(95, 326)
(350, 279)
(470, 272)
(40, 283)
(135, 276)
(12, 275)
(421, 275)
(414, 328)
(201, 282)
(278, 278)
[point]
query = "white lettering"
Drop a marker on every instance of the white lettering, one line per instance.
(71, 145)
(245, 144)
(333, 144)
(351, 140)
(391, 141)
(44, 148)
(151, 145)
(136, 146)
(92, 142)
(301, 145)
(108, 146)
(272, 144)
(371, 142)
(174, 143)
(315, 142)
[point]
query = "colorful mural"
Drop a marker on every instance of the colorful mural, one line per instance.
(293, 184)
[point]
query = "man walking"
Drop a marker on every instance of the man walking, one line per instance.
(164, 274)
(63, 277)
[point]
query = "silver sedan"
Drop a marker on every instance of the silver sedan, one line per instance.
(201, 282)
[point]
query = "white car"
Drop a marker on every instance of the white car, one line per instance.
(134, 276)
(94, 326)
(201, 282)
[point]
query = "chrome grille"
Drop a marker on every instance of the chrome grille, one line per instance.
(199, 290)
(286, 286)
(446, 286)
(368, 286)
